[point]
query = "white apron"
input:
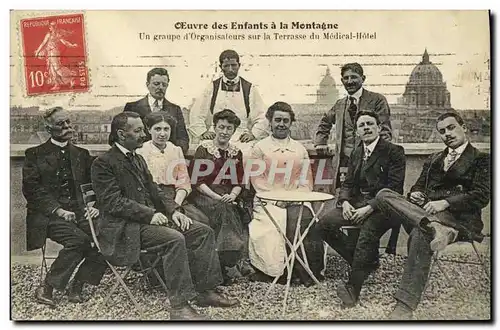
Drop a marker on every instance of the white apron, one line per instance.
(266, 245)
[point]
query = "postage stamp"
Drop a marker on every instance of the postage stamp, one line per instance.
(55, 57)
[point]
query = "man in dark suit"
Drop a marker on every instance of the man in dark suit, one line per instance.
(374, 164)
(137, 215)
(444, 206)
(52, 175)
(157, 82)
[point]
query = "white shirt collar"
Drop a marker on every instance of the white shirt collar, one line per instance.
(236, 80)
(122, 148)
(460, 149)
(357, 95)
(59, 144)
(372, 145)
(152, 100)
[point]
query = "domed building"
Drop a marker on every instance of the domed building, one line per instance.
(426, 88)
(327, 92)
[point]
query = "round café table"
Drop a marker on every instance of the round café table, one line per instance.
(299, 197)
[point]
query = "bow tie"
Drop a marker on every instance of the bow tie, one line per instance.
(230, 86)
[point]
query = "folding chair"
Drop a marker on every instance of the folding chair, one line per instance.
(44, 268)
(437, 262)
(89, 199)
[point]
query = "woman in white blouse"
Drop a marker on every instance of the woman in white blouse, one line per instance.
(167, 164)
(266, 246)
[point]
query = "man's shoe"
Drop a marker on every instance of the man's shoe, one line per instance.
(245, 268)
(346, 294)
(43, 295)
(75, 292)
(211, 298)
(443, 236)
(186, 313)
(401, 312)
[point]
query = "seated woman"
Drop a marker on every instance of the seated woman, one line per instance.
(218, 189)
(266, 246)
(167, 164)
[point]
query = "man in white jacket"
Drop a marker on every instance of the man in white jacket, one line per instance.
(235, 93)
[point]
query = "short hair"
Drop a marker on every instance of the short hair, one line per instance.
(158, 71)
(356, 67)
(120, 122)
(455, 115)
(280, 106)
(156, 117)
(229, 54)
(228, 115)
(370, 113)
(49, 113)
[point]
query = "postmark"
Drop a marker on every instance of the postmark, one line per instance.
(55, 57)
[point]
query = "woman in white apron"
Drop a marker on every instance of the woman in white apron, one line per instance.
(266, 246)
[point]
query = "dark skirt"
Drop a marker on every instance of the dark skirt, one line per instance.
(223, 218)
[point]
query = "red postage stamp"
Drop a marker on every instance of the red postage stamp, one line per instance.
(55, 56)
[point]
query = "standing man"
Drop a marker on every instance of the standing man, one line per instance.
(444, 206)
(235, 93)
(52, 175)
(375, 165)
(136, 214)
(343, 115)
(157, 81)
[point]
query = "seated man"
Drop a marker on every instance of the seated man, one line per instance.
(137, 215)
(52, 175)
(374, 164)
(445, 205)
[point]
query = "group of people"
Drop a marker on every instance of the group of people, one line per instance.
(203, 216)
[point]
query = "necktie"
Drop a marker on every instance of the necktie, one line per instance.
(353, 108)
(367, 154)
(156, 106)
(133, 159)
(452, 157)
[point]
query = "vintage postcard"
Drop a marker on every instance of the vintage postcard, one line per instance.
(250, 165)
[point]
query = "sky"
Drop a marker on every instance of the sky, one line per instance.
(286, 70)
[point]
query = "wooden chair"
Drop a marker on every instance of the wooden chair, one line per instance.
(89, 199)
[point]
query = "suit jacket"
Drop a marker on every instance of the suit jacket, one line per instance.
(121, 193)
(179, 135)
(41, 187)
(368, 101)
(465, 186)
(385, 168)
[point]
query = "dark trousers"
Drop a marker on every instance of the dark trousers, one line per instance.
(75, 239)
(190, 261)
(417, 266)
(331, 220)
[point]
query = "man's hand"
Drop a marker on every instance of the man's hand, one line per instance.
(417, 197)
(347, 210)
(92, 211)
(159, 219)
(66, 215)
(181, 220)
(434, 207)
(208, 135)
(228, 198)
(323, 150)
(247, 137)
(361, 214)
